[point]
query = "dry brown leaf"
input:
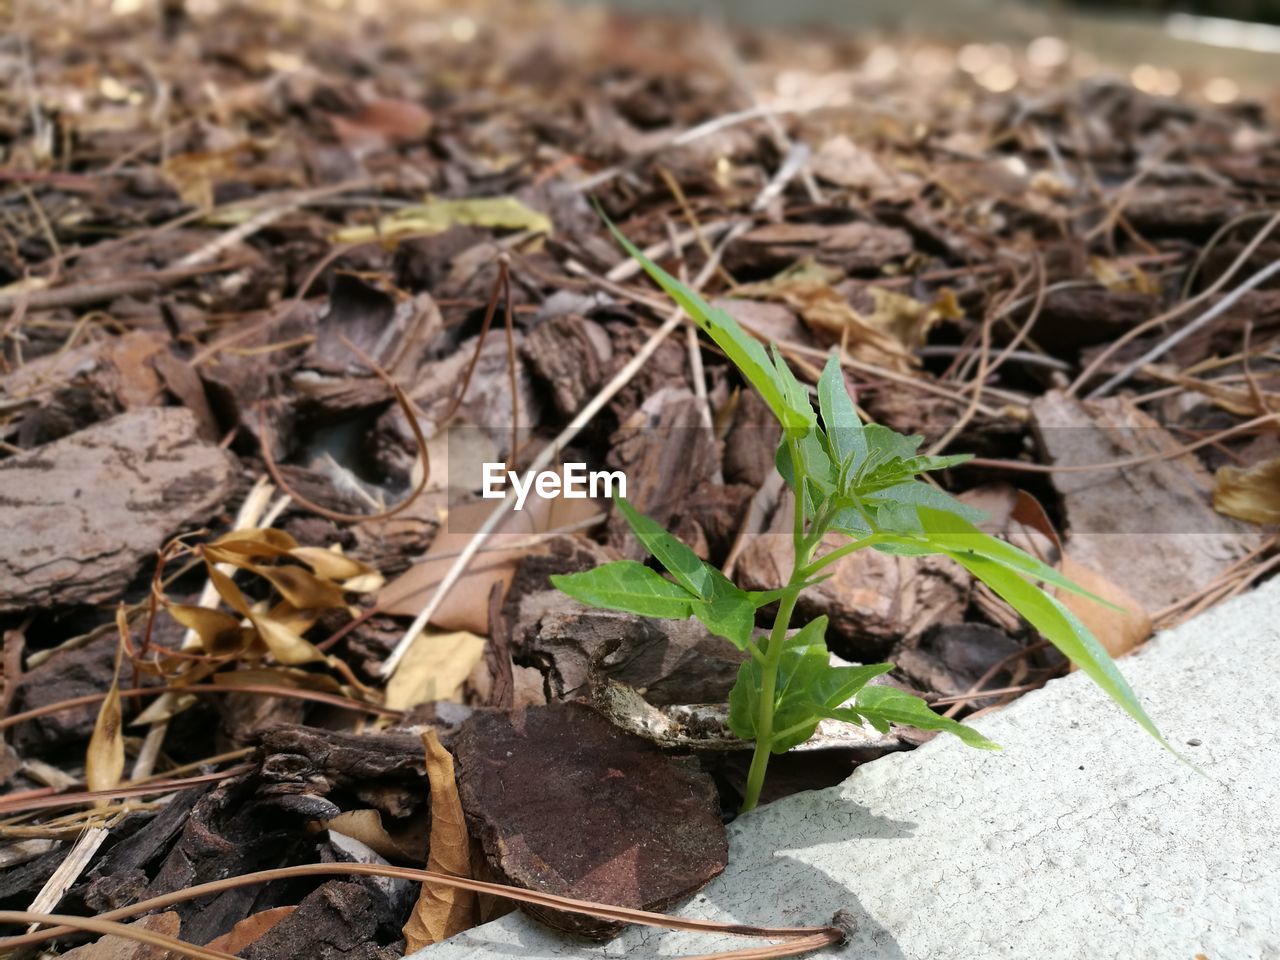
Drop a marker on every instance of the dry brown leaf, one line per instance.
(286, 646)
(382, 123)
(1120, 277)
(1242, 401)
(884, 333)
(220, 633)
(1118, 633)
(440, 911)
(366, 826)
(303, 589)
(1252, 494)
(467, 605)
(434, 668)
(249, 929)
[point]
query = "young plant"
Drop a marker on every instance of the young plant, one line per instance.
(861, 481)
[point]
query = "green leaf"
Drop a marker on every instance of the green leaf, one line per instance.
(725, 609)
(804, 658)
(838, 685)
(630, 587)
(816, 467)
(681, 562)
(955, 534)
(839, 417)
(747, 353)
(1061, 628)
(731, 615)
(883, 705)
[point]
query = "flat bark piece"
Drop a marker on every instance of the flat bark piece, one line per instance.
(570, 354)
(119, 948)
(563, 802)
(1149, 529)
(668, 661)
(853, 247)
(82, 513)
(337, 921)
(386, 771)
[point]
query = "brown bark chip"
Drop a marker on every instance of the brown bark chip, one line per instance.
(82, 513)
(565, 803)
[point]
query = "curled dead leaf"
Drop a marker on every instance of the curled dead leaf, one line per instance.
(440, 911)
(104, 760)
(366, 826)
(220, 633)
(1252, 494)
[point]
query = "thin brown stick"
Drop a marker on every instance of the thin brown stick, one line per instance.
(74, 799)
(828, 934)
(70, 924)
(295, 693)
(1177, 311)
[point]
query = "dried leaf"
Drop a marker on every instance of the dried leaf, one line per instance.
(104, 761)
(1118, 634)
(285, 645)
(334, 565)
(254, 543)
(249, 929)
(467, 605)
(883, 334)
(301, 588)
(227, 590)
(366, 826)
(220, 633)
(437, 216)
(441, 912)
(382, 123)
(1120, 277)
(1252, 494)
(434, 668)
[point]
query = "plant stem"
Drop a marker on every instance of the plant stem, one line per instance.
(768, 687)
(804, 547)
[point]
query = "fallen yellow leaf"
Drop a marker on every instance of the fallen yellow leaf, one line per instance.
(437, 216)
(434, 668)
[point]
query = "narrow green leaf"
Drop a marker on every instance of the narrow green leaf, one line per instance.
(725, 609)
(630, 587)
(955, 534)
(839, 416)
(1061, 628)
(745, 351)
(681, 562)
(883, 705)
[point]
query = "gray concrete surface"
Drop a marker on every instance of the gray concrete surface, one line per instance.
(1082, 839)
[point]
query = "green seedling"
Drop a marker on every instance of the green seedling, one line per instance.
(862, 482)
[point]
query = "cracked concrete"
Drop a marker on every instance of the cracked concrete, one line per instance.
(1081, 839)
